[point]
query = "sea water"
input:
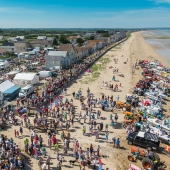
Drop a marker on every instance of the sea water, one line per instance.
(160, 41)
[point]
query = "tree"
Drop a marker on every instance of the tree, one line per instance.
(106, 35)
(80, 41)
(55, 42)
(63, 39)
(92, 37)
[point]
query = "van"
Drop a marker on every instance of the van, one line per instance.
(4, 64)
(26, 91)
(45, 74)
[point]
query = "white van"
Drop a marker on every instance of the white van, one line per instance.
(45, 74)
(4, 64)
(26, 91)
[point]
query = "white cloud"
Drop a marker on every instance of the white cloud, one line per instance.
(18, 10)
(156, 17)
(161, 1)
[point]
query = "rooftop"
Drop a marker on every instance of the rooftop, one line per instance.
(57, 53)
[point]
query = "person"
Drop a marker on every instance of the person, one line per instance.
(40, 140)
(116, 117)
(83, 130)
(114, 141)
(117, 98)
(21, 130)
(56, 146)
(107, 136)
(48, 161)
(106, 127)
(111, 116)
(117, 143)
(43, 167)
(43, 151)
(59, 166)
(98, 150)
(94, 163)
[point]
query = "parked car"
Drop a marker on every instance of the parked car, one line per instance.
(147, 140)
(26, 91)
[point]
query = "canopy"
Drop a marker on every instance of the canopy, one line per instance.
(6, 85)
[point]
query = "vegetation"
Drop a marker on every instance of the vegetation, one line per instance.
(95, 70)
(92, 37)
(55, 42)
(106, 35)
(80, 41)
(63, 39)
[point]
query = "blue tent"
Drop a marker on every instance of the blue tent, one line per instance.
(11, 93)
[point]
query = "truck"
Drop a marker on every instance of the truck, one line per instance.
(147, 140)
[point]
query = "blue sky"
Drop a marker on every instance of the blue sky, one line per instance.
(84, 14)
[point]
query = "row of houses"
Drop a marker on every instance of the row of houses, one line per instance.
(68, 54)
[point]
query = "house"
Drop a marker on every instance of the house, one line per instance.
(7, 46)
(57, 59)
(70, 49)
(92, 45)
(50, 39)
(40, 43)
(85, 51)
(41, 38)
(2, 52)
(20, 47)
(12, 39)
(78, 53)
(73, 39)
(20, 37)
(1, 38)
(107, 39)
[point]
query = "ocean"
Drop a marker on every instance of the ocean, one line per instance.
(160, 41)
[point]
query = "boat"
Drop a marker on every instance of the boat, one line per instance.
(165, 124)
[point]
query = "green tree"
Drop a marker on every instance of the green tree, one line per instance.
(106, 35)
(92, 37)
(63, 39)
(80, 41)
(55, 42)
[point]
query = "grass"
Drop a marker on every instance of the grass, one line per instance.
(95, 70)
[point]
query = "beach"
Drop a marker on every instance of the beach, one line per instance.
(125, 55)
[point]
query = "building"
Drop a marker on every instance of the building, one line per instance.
(85, 51)
(73, 39)
(1, 38)
(7, 47)
(78, 53)
(20, 37)
(41, 38)
(2, 52)
(107, 39)
(40, 43)
(57, 59)
(20, 47)
(70, 49)
(92, 45)
(50, 39)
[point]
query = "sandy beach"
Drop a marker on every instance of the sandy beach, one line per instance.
(135, 48)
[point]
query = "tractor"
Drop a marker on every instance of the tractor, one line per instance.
(151, 162)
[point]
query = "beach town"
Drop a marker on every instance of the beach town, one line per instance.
(108, 110)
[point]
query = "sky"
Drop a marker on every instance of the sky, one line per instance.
(84, 14)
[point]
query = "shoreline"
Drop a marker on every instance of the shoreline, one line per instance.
(158, 46)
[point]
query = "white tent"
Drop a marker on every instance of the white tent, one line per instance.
(24, 79)
(5, 86)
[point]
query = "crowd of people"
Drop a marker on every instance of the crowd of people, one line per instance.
(54, 117)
